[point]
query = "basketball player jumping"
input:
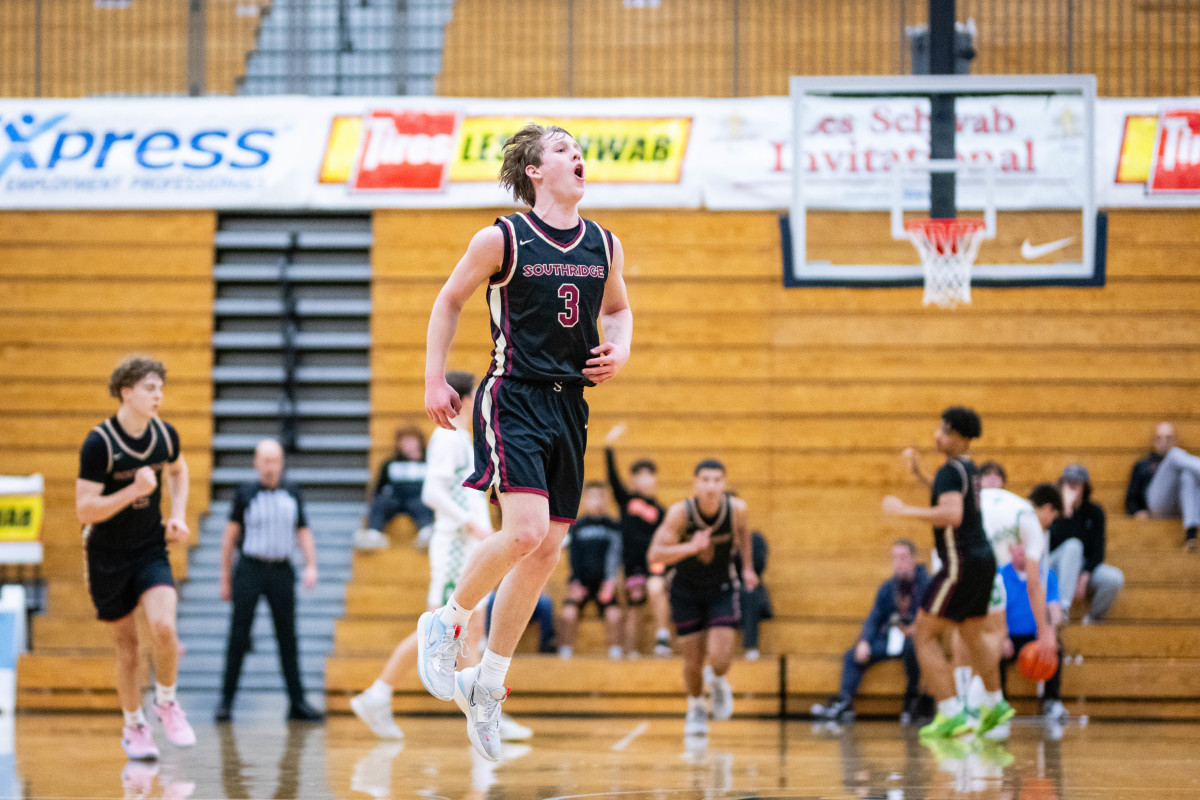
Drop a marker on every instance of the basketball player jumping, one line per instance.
(699, 537)
(461, 520)
(550, 274)
(118, 498)
(958, 595)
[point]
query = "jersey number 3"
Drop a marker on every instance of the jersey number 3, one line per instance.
(569, 293)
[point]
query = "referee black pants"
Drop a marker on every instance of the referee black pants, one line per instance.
(276, 580)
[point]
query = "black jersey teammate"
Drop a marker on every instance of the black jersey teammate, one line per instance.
(697, 540)
(549, 275)
(118, 499)
(641, 514)
(959, 593)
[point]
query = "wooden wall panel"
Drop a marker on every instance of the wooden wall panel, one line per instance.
(141, 49)
(602, 48)
(83, 290)
(810, 394)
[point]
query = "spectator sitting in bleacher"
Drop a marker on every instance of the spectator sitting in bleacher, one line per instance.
(595, 555)
(1022, 627)
(756, 603)
(1077, 543)
(543, 617)
(1166, 485)
(398, 491)
(886, 634)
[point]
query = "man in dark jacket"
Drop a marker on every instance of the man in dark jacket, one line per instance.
(1166, 485)
(886, 634)
(1077, 544)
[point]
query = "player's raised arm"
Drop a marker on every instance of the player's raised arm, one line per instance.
(616, 321)
(483, 258)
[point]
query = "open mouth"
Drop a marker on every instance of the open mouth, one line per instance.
(579, 171)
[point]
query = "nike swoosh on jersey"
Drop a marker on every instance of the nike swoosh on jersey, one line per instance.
(524, 242)
(1032, 251)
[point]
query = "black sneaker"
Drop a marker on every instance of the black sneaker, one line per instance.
(836, 710)
(224, 712)
(303, 712)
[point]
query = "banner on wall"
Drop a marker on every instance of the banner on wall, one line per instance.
(348, 153)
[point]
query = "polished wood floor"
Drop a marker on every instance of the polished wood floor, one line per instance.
(259, 756)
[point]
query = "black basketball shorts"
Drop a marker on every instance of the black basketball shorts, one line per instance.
(695, 609)
(962, 588)
(580, 592)
(117, 579)
(531, 437)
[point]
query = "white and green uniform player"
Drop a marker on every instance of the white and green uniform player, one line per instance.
(459, 513)
(1009, 520)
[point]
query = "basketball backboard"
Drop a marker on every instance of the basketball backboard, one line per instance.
(862, 147)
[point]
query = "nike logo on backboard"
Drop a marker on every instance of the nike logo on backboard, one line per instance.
(525, 241)
(1031, 251)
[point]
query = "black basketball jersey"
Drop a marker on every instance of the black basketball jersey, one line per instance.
(705, 571)
(111, 457)
(544, 301)
(960, 475)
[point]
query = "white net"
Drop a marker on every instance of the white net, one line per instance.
(948, 248)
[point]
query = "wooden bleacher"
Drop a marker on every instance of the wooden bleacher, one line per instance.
(711, 56)
(82, 290)
(1142, 661)
(808, 396)
(140, 49)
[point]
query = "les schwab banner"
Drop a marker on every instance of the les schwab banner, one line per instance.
(331, 153)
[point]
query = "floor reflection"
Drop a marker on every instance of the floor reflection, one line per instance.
(622, 758)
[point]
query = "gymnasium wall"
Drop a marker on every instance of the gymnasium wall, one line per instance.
(728, 48)
(75, 48)
(809, 395)
(81, 291)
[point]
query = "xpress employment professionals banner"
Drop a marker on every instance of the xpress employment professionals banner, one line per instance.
(324, 153)
(361, 153)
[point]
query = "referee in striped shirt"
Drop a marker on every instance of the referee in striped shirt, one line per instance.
(264, 526)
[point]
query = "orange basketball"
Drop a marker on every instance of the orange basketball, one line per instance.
(1033, 667)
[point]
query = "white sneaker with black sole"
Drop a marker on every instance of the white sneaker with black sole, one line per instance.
(482, 708)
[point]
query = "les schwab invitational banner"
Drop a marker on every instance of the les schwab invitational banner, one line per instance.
(347, 153)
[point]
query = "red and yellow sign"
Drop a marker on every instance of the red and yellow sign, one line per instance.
(1161, 151)
(384, 150)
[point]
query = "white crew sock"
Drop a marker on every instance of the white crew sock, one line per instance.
(950, 707)
(163, 694)
(991, 698)
(662, 635)
(134, 718)
(380, 690)
(962, 684)
(975, 694)
(694, 702)
(492, 670)
(454, 614)
(614, 652)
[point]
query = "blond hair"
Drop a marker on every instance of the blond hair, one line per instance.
(521, 150)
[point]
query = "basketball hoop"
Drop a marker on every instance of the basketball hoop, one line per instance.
(948, 248)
